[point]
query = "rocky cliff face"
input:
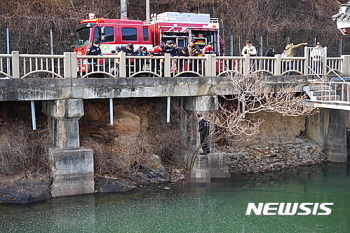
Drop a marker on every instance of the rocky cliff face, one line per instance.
(130, 117)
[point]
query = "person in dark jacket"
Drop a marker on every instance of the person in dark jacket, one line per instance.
(204, 133)
(170, 48)
(93, 49)
(130, 50)
(270, 53)
(182, 52)
(142, 51)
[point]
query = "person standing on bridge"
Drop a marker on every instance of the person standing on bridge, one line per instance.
(208, 49)
(316, 55)
(156, 66)
(93, 49)
(291, 52)
(204, 133)
(251, 50)
(193, 50)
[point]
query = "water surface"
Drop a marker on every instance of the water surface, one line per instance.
(216, 206)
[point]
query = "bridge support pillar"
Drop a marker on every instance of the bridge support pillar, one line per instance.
(328, 128)
(203, 105)
(72, 166)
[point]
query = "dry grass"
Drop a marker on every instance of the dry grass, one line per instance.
(22, 149)
(124, 154)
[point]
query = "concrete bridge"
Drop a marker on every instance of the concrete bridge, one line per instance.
(194, 81)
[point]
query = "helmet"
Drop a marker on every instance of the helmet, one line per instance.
(130, 45)
(169, 42)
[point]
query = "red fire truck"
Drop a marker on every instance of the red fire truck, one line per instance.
(177, 27)
(181, 28)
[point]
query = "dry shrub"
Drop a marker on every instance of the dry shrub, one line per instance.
(119, 157)
(171, 141)
(175, 140)
(22, 149)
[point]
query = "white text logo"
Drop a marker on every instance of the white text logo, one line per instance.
(289, 209)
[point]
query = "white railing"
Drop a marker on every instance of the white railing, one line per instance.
(5, 65)
(69, 65)
(334, 64)
(184, 66)
(228, 65)
(293, 65)
(331, 91)
(43, 66)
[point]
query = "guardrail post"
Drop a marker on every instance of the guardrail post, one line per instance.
(324, 67)
(278, 64)
(67, 65)
(246, 69)
(167, 65)
(306, 62)
(122, 65)
(74, 65)
(15, 64)
(208, 65)
(345, 69)
(213, 65)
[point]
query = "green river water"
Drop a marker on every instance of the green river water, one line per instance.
(216, 206)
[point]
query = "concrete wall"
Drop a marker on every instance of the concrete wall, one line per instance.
(328, 128)
(94, 88)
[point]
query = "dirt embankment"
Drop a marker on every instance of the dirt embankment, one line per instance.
(140, 130)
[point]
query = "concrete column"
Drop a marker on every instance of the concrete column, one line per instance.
(246, 70)
(72, 166)
(74, 65)
(278, 65)
(328, 128)
(167, 65)
(65, 115)
(67, 65)
(122, 65)
(15, 64)
(202, 104)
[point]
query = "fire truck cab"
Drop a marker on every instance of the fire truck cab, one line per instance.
(111, 33)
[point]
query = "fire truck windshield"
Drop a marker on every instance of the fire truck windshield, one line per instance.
(82, 37)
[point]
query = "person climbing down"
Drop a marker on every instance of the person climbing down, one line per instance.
(204, 133)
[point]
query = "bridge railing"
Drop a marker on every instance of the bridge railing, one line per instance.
(334, 64)
(5, 65)
(69, 65)
(331, 91)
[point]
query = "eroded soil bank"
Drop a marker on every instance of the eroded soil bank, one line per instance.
(141, 149)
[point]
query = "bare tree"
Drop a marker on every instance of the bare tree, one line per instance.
(236, 115)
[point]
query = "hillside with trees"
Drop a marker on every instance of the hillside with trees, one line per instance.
(29, 21)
